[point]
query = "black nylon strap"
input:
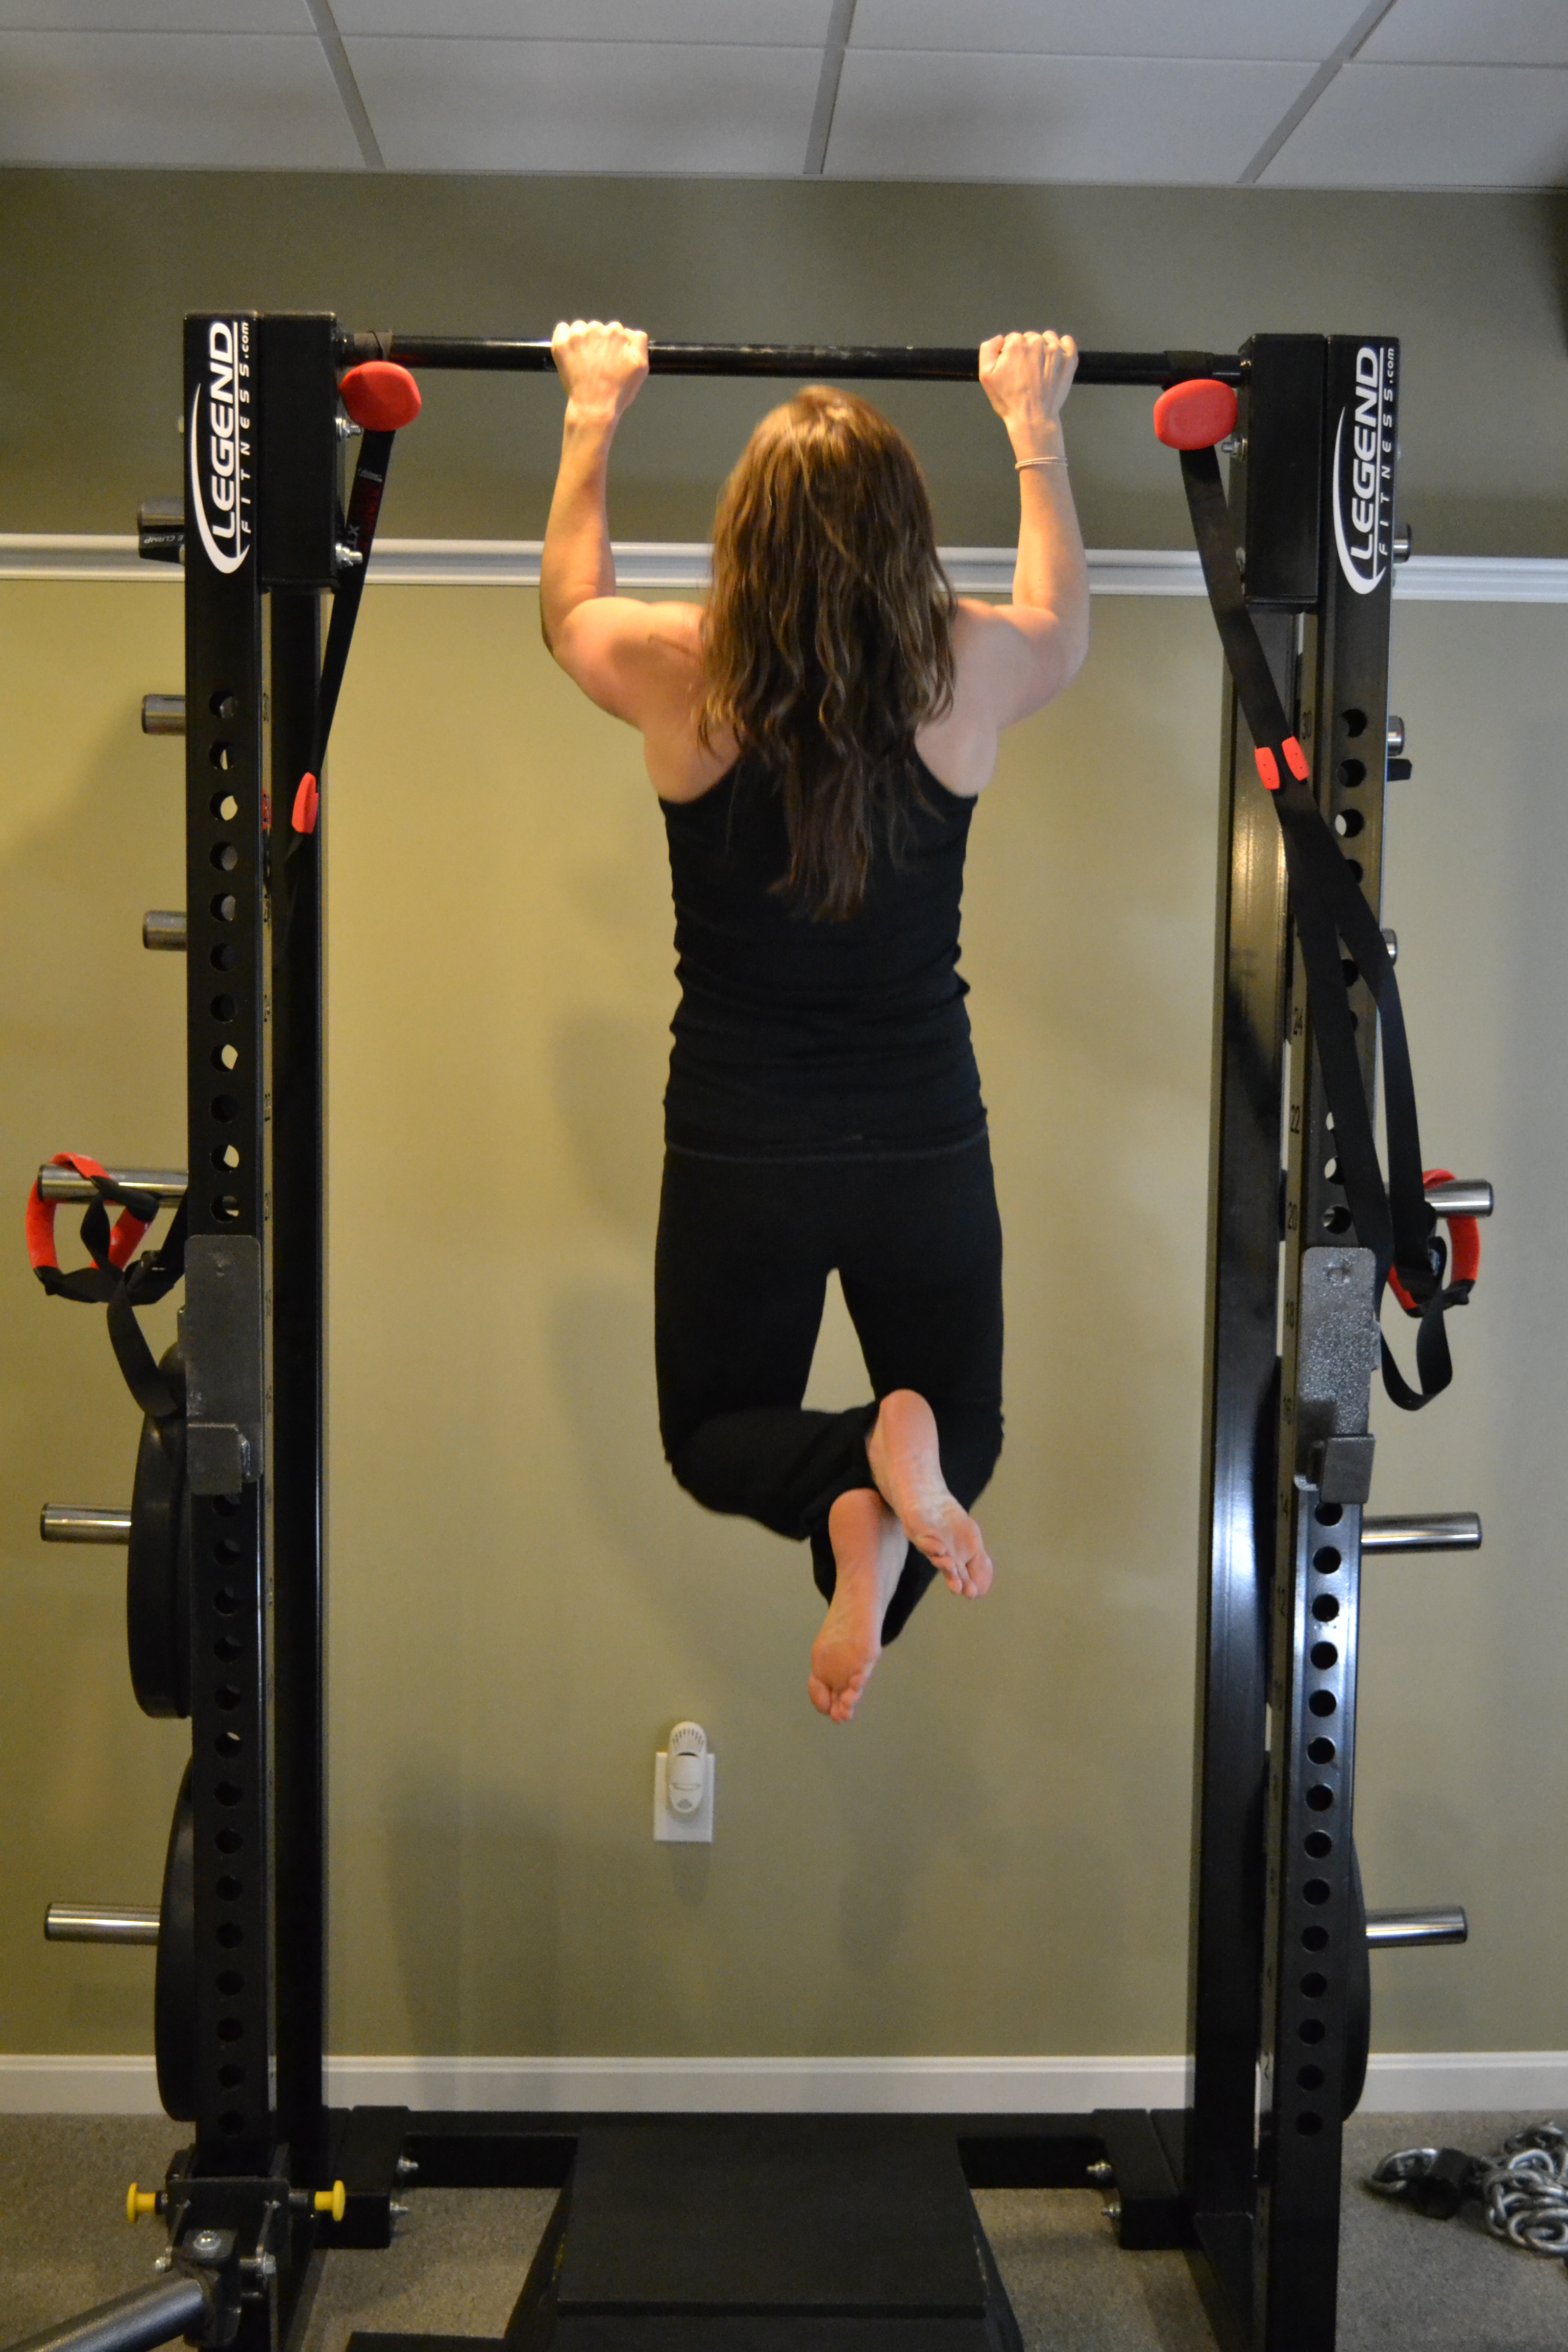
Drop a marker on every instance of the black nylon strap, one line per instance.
(140, 1284)
(1392, 1219)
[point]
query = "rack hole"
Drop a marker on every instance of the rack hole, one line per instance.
(1337, 1220)
(229, 1695)
(1355, 877)
(1325, 1607)
(224, 703)
(1353, 721)
(1326, 1559)
(228, 1793)
(229, 1841)
(225, 805)
(230, 2028)
(1320, 1797)
(1319, 1844)
(1315, 1939)
(230, 1648)
(1308, 2123)
(230, 2078)
(230, 1936)
(1310, 2078)
(226, 1506)
(1322, 1751)
(226, 1208)
(1323, 1703)
(225, 906)
(225, 1156)
(229, 1890)
(230, 1982)
(1311, 2028)
(1350, 773)
(222, 755)
(226, 1058)
(1324, 1655)
(231, 2124)
(226, 1600)
(1330, 1513)
(1313, 1985)
(223, 1008)
(226, 857)
(228, 1743)
(1349, 823)
(226, 1107)
(227, 1550)
(1317, 1890)
(224, 958)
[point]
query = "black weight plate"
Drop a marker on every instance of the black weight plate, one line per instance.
(158, 1565)
(174, 1985)
(1358, 1995)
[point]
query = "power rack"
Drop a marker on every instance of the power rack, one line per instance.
(1248, 2178)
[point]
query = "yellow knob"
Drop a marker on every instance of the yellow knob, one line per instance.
(139, 2202)
(333, 2200)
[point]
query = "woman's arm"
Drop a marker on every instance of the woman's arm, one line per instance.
(1025, 652)
(633, 659)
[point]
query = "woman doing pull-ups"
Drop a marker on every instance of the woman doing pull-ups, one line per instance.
(817, 734)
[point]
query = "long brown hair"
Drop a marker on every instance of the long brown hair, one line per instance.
(829, 637)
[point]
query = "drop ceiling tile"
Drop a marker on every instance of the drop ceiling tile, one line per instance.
(773, 24)
(155, 17)
(1296, 29)
(252, 101)
(1458, 32)
(1106, 119)
(586, 106)
(1431, 127)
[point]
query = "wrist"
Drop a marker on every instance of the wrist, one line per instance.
(590, 417)
(1036, 437)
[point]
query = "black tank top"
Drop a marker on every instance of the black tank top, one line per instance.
(799, 1039)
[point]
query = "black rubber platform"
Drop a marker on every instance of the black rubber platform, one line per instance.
(758, 2234)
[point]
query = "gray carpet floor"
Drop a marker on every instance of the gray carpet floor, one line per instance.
(1407, 2284)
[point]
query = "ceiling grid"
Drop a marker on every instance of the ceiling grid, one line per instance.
(1277, 93)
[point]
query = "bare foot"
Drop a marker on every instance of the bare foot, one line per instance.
(868, 1552)
(906, 1463)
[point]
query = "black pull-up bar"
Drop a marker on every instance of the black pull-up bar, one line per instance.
(910, 363)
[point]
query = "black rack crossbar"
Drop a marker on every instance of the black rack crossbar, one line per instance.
(907, 362)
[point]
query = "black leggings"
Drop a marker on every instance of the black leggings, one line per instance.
(745, 1248)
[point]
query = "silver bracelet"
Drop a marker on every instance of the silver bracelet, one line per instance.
(1021, 464)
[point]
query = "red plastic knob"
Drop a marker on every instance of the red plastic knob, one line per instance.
(380, 395)
(1195, 415)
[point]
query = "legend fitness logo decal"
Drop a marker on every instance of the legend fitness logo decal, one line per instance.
(220, 438)
(1364, 470)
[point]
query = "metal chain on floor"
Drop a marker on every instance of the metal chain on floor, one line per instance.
(1522, 2188)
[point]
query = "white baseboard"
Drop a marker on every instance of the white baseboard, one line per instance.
(1517, 2082)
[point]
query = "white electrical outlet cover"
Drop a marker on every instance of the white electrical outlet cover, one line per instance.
(683, 1829)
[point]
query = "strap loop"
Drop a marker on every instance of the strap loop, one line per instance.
(115, 1279)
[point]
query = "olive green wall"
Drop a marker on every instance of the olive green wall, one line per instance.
(96, 269)
(994, 1857)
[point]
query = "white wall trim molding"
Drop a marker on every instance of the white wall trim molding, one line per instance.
(1516, 2082)
(675, 564)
